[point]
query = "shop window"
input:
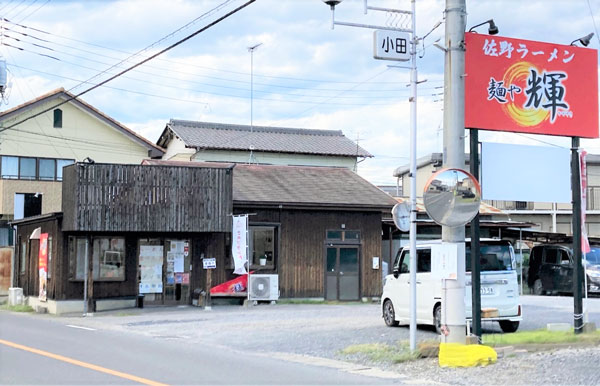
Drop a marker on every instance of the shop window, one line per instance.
(23, 257)
(263, 245)
(108, 258)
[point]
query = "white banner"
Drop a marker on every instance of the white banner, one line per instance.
(239, 244)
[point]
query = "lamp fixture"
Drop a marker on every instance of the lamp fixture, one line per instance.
(332, 3)
(493, 30)
(584, 41)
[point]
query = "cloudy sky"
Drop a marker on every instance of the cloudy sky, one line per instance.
(306, 75)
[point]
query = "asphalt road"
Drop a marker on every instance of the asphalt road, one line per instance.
(108, 356)
(265, 344)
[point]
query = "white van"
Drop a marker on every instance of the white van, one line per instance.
(499, 286)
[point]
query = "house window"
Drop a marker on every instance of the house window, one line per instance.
(27, 168)
(57, 118)
(10, 167)
(521, 205)
(343, 235)
(263, 246)
(60, 164)
(47, 169)
(108, 258)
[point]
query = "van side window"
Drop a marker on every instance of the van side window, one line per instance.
(396, 265)
(564, 257)
(551, 256)
(405, 264)
(424, 260)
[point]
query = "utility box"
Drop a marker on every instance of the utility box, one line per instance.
(15, 296)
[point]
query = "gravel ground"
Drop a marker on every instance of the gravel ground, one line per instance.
(321, 331)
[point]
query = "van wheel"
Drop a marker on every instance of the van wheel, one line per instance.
(538, 288)
(437, 319)
(508, 326)
(389, 316)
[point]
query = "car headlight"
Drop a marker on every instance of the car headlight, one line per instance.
(593, 273)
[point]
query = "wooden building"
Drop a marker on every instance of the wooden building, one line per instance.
(145, 229)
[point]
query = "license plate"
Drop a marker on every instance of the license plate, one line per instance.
(487, 290)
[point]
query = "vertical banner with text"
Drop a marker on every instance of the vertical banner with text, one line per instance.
(530, 87)
(239, 244)
(43, 266)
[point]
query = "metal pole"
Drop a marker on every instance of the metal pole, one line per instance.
(251, 50)
(251, 89)
(577, 272)
(475, 259)
(85, 280)
(413, 184)
(454, 156)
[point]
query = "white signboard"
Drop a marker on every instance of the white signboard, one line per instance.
(209, 263)
(391, 45)
(151, 264)
(444, 260)
(525, 173)
(239, 244)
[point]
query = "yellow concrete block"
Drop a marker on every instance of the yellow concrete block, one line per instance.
(466, 355)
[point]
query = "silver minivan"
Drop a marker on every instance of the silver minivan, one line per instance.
(499, 286)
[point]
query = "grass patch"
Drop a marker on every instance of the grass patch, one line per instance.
(381, 352)
(540, 337)
(17, 308)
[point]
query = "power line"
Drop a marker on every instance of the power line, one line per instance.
(195, 65)
(206, 92)
(137, 64)
(170, 70)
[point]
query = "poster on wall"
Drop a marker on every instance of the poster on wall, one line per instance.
(151, 267)
(530, 87)
(43, 266)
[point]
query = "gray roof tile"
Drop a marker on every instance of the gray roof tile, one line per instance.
(205, 135)
(305, 185)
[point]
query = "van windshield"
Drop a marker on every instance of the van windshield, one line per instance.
(494, 257)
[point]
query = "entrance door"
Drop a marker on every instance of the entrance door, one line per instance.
(177, 277)
(342, 279)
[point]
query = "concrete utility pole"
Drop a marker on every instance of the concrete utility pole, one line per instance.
(453, 309)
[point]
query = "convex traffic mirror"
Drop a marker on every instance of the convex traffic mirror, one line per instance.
(452, 197)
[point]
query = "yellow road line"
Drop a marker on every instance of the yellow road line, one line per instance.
(82, 364)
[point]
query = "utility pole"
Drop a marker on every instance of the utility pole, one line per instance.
(453, 309)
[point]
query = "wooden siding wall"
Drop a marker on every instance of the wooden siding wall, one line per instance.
(134, 198)
(301, 260)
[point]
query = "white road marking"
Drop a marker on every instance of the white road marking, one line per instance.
(81, 327)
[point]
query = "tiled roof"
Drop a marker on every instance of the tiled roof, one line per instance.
(303, 186)
(205, 135)
(308, 186)
(63, 94)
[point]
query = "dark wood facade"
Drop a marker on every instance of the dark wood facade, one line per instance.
(303, 241)
(139, 198)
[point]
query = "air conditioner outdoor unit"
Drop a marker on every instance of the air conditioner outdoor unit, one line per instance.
(264, 287)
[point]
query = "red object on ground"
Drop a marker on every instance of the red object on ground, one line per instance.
(239, 284)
